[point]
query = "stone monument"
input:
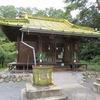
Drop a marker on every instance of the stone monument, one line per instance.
(42, 87)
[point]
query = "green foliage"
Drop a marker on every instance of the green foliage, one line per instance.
(96, 60)
(8, 11)
(41, 56)
(2, 56)
(88, 16)
(12, 12)
(1, 34)
(90, 49)
(2, 52)
(94, 67)
(8, 50)
(52, 12)
(75, 4)
(27, 10)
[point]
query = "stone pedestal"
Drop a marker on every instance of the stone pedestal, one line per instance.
(41, 87)
(96, 86)
(50, 92)
(42, 75)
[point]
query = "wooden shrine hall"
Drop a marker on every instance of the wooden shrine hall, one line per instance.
(45, 41)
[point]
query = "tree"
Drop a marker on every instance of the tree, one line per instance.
(12, 12)
(26, 10)
(7, 50)
(2, 56)
(8, 11)
(52, 12)
(89, 13)
(90, 49)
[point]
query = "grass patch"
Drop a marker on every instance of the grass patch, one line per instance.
(92, 66)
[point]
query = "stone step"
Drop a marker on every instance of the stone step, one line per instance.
(24, 97)
(36, 92)
(98, 80)
(96, 87)
(37, 88)
(53, 98)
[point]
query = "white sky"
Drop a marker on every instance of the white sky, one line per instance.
(40, 4)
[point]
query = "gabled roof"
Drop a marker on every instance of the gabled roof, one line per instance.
(33, 23)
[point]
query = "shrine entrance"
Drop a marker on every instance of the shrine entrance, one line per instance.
(60, 52)
(54, 52)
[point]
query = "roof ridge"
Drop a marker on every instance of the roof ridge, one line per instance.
(34, 16)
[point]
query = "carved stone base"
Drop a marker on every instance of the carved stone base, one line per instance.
(51, 92)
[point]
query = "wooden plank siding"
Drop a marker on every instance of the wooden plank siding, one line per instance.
(53, 48)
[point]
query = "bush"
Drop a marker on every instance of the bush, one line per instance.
(96, 60)
(7, 51)
(2, 56)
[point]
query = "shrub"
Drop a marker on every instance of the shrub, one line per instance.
(96, 60)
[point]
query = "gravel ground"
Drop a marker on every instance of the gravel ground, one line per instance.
(11, 91)
(71, 82)
(81, 94)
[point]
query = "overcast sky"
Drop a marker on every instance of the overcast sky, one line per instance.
(40, 4)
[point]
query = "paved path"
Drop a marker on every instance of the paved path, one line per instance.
(71, 82)
(73, 86)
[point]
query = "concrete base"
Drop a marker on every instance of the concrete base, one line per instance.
(51, 92)
(96, 86)
(98, 80)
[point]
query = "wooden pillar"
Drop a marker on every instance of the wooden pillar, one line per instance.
(67, 55)
(55, 53)
(39, 44)
(39, 47)
(74, 51)
(18, 47)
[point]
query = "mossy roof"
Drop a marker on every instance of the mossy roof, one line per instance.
(33, 23)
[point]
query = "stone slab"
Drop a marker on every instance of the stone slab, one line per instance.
(98, 80)
(24, 97)
(34, 91)
(35, 88)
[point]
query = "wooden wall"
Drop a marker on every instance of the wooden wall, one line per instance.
(25, 54)
(58, 48)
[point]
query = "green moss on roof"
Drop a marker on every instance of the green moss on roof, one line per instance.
(83, 27)
(31, 16)
(34, 22)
